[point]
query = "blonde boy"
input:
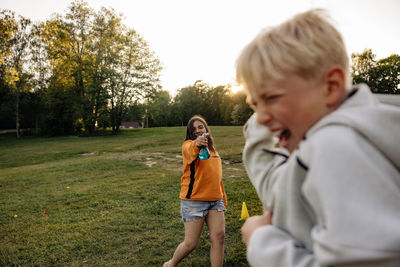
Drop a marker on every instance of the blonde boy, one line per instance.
(335, 199)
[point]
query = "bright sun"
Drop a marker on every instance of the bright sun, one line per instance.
(236, 88)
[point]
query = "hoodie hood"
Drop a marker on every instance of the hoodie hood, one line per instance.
(377, 122)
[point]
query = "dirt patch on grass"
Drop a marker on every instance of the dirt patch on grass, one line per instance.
(156, 159)
(173, 162)
(88, 154)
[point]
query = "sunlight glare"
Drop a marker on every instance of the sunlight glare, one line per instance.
(235, 88)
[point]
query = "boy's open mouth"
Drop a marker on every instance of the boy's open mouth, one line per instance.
(284, 138)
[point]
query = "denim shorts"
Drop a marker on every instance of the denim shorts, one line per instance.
(192, 210)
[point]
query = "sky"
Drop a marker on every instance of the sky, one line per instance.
(201, 39)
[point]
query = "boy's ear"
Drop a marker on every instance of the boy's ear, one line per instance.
(334, 89)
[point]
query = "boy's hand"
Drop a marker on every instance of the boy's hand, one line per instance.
(253, 223)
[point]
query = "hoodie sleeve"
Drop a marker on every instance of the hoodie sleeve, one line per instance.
(270, 246)
(189, 151)
(353, 189)
(261, 158)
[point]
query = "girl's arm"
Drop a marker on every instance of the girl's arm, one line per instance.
(190, 151)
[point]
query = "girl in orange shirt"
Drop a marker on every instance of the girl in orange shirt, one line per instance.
(203, 197)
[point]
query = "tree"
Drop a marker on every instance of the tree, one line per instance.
(8, 29)
(158, 108)
(40, 70)
(382, 76)
(191, 101)
(67, 41)
(217, 99)
(241, 111)
(103, 66)
(19, 42)
(76, 26)
(107, 49)
(137, 76)
(14, 42)
(387, 75)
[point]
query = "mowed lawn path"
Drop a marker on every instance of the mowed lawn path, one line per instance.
(110, 200)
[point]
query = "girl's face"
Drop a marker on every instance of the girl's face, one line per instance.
(198, 128)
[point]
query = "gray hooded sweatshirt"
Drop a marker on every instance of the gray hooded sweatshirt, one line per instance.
(336, 198)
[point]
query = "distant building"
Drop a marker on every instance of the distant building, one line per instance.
(130, 124)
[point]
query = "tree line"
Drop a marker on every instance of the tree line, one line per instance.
(83, 71)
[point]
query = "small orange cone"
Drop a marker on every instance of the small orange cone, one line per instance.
(245, 213)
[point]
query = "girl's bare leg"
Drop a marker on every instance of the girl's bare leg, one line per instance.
(216, 227)
(192, 237)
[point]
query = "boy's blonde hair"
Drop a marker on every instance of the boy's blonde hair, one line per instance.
(307, 45)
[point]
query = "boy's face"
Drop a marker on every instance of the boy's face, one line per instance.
(289, 107)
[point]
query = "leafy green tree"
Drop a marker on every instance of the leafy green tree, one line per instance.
(241, 111)
(137, 76)
(190, 101)
(14, 42)
(159, 109)
(67, 40)
(387, 75)
(19, 65)
(106, 48)
(382, 76)
(217, 99)
(20, 43)
(40, 71)
(8, 29)
(362, 64)
(104, 66)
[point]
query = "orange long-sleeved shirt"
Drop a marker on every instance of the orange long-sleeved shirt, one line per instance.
(201, 179)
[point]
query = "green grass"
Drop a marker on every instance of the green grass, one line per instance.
(110, 200)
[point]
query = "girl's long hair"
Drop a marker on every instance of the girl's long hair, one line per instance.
(190, 131)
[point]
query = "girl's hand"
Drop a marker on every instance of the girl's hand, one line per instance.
(253, 223)
(202, 141)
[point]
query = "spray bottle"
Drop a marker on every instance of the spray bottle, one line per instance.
(204, 153)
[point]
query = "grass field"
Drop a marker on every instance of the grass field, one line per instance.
(109, 200)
